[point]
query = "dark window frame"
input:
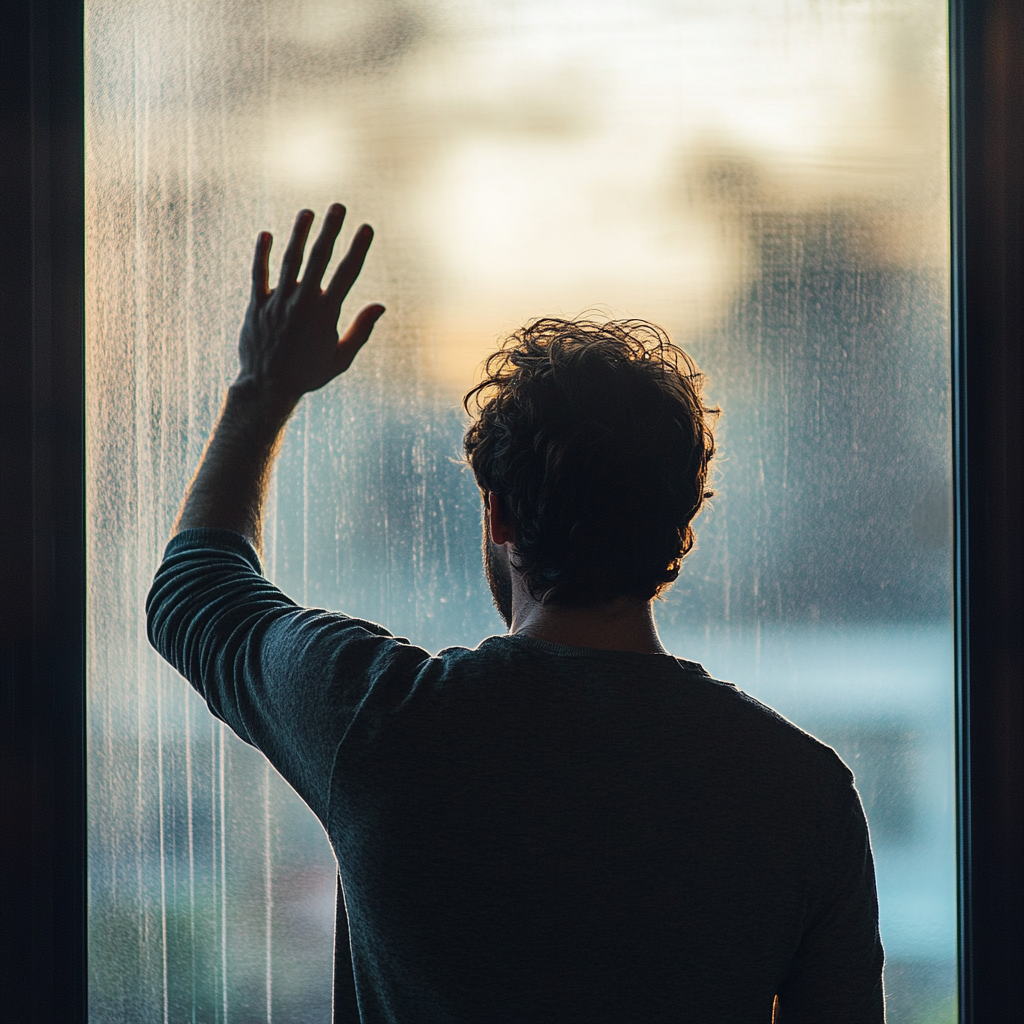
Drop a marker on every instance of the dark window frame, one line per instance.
(42, 508)
(987, 177)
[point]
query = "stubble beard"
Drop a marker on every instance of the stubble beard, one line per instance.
(499, 576)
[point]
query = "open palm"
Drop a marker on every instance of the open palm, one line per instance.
(289, 342)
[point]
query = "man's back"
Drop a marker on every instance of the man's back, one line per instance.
(532, 832)
(565, 824)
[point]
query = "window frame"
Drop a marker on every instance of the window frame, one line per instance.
(43, 966)
(987, 243)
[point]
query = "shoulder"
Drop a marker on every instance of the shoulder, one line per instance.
(760, 736)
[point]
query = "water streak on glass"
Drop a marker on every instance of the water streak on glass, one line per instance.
(765, 178)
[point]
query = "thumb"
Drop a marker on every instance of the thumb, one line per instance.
(357, 335)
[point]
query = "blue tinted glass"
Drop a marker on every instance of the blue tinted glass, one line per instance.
(765, 178)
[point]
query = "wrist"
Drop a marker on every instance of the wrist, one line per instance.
(255, 406)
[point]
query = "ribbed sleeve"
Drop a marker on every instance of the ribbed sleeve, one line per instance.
(288, 680)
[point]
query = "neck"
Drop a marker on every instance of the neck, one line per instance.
(625, 624)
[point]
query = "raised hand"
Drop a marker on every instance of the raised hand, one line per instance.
(289, 342)
(289, 345)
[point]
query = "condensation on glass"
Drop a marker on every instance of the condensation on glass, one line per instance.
(765, 178)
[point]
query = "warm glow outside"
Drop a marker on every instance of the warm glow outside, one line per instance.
(767, 179)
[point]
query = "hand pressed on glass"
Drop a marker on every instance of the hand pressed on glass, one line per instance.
(289, 342)
(289, 345)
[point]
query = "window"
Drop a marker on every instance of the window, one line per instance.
(767, 180)
(772, 646)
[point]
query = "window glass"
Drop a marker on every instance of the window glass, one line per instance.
(765, 178)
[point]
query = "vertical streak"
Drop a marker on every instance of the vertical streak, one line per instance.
(214, 872)
(222, 786)
(270, 509)
(140, 810)
(444, 536)
(190, 369)
(382, 484)
(191, 850)
(163, 850)
(192, 417)
(141, 168)
(269, 882)
(266, 100)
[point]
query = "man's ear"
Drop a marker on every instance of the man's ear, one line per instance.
(501, 531)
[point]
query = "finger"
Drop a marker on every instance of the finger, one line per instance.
(348, 269)
(260, 265)
(323, 247)
(296, 245)
(357, 335)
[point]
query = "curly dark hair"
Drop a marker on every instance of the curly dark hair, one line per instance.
(597, 442)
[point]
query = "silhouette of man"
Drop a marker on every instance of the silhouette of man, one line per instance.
(566, 823)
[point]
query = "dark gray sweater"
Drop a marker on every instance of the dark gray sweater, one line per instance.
(534, 833)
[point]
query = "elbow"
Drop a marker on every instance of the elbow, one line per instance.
(160, 606)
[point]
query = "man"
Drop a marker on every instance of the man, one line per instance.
(565, 824)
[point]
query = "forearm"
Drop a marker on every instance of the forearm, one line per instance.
(289, 346)
(230, 486)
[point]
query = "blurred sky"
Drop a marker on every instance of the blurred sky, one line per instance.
(548, 156)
